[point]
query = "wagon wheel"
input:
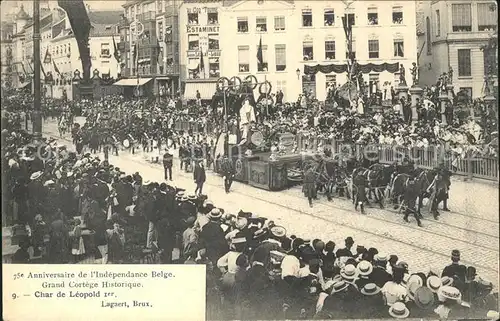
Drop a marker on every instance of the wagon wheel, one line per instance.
(235, 82)
(251, 81)
(223, 83)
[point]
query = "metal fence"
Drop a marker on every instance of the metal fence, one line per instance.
(471, 164)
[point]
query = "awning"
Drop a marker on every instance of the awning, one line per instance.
(24, 85)
(162, 78)
(206, 89)
(132, 82)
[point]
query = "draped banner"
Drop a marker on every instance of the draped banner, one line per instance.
(367, 68)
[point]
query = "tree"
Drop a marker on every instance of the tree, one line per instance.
(491, 57)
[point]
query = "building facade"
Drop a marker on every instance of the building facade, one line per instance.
(151, 28)
(383, 32)
(455, 31)
(19, 70)
(6, 54)
(60, 55)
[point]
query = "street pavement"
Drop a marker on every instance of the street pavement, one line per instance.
(472, 226)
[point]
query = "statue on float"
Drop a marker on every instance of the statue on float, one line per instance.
(247, 117)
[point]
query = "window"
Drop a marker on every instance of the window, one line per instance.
(399, 48)
(213, 18)
(193, 42)
(243, 24)
(461, 17)
(307, 18)
(438, 23)
(279, 23)
(105, 52)
(244, 58)
(487, 17)
(329, 49)
(213, 68)
(353, 50)
(193, 68)
(193, 18)
(261, 24)
(280, 53)
(213, 41)
(428, 35)
(372, 16)
(397, 15)
(464, 62)
(264, 65)
(160, 31)
(307, 50)
(329, 17)
(331, 81)
(373, 49)
(351, 19)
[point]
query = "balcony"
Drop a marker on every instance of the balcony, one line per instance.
(146, 16)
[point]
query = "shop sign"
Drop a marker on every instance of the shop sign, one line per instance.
(193, 54)
(214, 53)
(202, 29)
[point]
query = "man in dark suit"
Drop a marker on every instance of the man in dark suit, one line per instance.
(227, 172)
(167, 164)
(199, 176)
(349, 242)
(212, 237)
(456, 270)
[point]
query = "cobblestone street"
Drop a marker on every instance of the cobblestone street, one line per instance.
(472, 226)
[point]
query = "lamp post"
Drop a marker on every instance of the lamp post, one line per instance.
(37, 103)
(298, 73)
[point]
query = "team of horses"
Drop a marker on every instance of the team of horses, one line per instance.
(384, 184)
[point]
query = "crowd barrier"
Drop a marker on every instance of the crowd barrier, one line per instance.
(471, 164)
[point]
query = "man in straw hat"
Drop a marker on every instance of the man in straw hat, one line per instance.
(212, 237)
(399, 311)
(371, 302)
(422, 301)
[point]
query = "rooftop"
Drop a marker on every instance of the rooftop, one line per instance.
(105, 17)
(22, 15)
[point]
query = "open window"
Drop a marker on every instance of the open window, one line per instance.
(193, 42)
(193, 18)
(213, 41)
(329, 17)
(307, 18)
(213, 18)
(242, 24)
(261, 24)
(372, 16)
(397, 15)
(307, 50)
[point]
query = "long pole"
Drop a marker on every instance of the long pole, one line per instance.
(267, 101)
(37, 103)
(226, 125)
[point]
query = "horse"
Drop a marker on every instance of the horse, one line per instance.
(423, 180)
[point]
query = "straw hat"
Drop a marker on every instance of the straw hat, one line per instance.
(370, 289)
(365, 268)
(36, 175)
(399, 311)
(349, 272)
(191, 197)
(415, 279)
(449, 292)
(424, 298)
(215, 214)
(49, 182)
(278, 231)
(434, 283)
(339, 286)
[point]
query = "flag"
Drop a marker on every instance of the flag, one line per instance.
(260, 55)
(24, 70)
(116, 54)
(158, 50)
(136, 48)
(48, 57)
(202, 63)
(43, 71)
(55, 68)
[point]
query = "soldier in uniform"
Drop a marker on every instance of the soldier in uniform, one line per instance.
(167, 164)
(410, 199)
(227, 172)
(359, 192)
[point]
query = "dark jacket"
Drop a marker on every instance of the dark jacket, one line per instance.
(167, 160)
(199, 175)
(213, 240)
(380, 276)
